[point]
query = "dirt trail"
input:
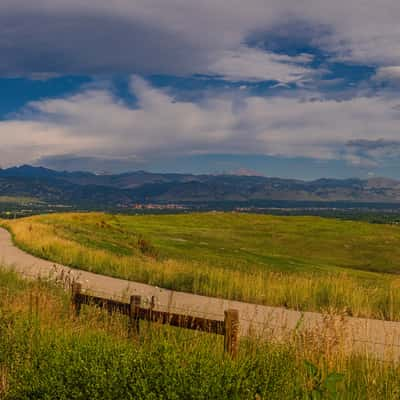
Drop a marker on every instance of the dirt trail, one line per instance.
(381, 338)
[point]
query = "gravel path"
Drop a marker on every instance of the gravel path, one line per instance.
(381, 338)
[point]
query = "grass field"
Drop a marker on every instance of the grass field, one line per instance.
(305, 263)
(19, 200)
(48, 353)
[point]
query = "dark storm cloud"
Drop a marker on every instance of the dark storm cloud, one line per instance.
(37, 43)
(370, 152)
(184, 37)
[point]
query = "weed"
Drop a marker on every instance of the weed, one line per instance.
(320, 387)
(146, 247)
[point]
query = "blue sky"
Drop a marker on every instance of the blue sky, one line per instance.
(276, 88)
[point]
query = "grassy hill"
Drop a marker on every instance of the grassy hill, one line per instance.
(19, 200)
(305, 263)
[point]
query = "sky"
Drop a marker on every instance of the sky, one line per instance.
(302, 89)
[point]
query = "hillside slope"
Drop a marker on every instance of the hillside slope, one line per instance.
(304, 263)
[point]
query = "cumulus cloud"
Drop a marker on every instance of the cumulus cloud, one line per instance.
(94, 123)
(251, 64)
(186, 37)
(388, 74)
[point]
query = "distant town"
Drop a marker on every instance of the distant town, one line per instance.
(153, 206)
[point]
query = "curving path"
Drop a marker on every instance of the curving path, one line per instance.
(381, 338)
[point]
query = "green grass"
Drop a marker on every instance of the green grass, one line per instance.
(243, 241)
(305, 263)
(19, 200)
(48, 353)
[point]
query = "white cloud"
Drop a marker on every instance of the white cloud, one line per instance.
(360, 161)
(389, 74)
(24, 141)
(251, 64)
(94, 123)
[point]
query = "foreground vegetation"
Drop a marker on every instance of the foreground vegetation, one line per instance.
(304, 263)
(47, 353)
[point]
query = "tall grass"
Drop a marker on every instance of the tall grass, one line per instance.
(364, 294)
(48, 353)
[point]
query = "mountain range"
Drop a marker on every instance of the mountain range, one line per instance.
(89, 189)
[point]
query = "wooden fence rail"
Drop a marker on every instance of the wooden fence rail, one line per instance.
(229, 328)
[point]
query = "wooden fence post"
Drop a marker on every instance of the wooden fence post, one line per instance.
(134, 314)
(76, 298)
(231, 339)
(150, 311)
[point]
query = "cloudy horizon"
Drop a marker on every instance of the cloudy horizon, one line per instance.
(303, 90)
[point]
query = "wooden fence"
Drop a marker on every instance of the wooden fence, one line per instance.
(229, 328)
